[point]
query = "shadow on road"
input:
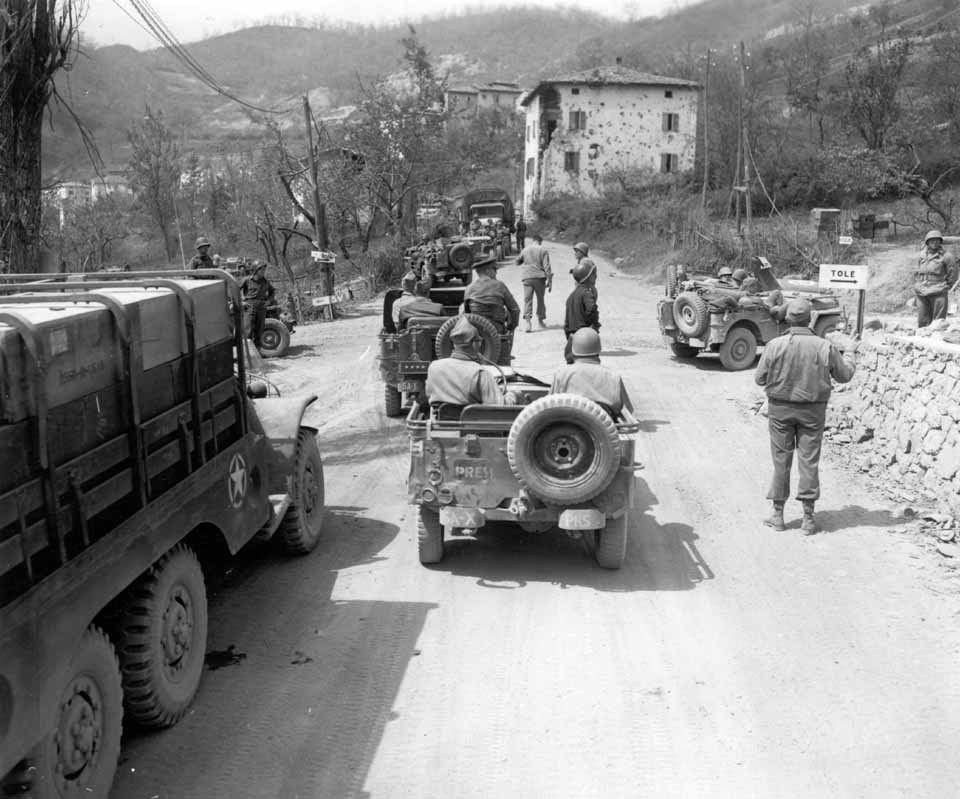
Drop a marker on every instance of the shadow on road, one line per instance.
(660, 557)
(306, 675)
(850, 517)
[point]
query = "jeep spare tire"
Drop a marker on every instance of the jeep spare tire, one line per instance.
(672, 281)
(460, 257)
(691, 314)
(488, 333)
(564, 448)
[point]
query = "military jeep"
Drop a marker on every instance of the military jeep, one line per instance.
(694, 318)
(406, 353)
(554, 462)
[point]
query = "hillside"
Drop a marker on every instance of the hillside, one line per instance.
(273, 65)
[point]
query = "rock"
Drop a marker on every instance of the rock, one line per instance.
(873, 324)
(906, 512)
(842, 438)
(933, 440)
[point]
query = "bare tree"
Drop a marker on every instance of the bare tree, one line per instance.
(38, 38)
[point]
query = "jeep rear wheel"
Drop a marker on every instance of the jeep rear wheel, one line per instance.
(275, 339)
(392, 401)
(564, 448)
(488, 334)
(429, 536)
(684, 350)
(739, 349)
(610, 548)
(691, 314)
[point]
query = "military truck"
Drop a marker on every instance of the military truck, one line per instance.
(692, 322)
(133, 438)
(489, 205)
(406, 353)
(553, 462)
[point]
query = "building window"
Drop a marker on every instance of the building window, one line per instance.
(578, 120)
(668, 94)
(671, 123)
(531, 165)
(574, 91)
(669, 162)
(571, 162)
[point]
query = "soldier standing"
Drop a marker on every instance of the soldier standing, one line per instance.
(202, 259)
(795, 371)
(582, 310)
(936, 275)
(537, 277)
(521, 229)
(257, 293)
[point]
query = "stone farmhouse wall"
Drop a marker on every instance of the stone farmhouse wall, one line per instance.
(901, 415)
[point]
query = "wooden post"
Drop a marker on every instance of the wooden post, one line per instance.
(319, 209)
(706, 138)
(744, 138)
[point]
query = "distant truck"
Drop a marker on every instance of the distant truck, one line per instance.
(489, 205)
(132, 439)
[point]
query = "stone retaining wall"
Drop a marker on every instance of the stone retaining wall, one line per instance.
(901, 415)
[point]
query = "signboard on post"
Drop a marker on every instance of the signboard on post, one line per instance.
(844, 276)
(848, 276)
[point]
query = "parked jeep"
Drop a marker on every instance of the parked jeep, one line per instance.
(557, 461)
(445, 258)
(693, 317)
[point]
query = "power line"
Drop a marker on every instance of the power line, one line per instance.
(154, 25)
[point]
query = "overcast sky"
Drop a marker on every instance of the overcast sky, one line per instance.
(115, 21)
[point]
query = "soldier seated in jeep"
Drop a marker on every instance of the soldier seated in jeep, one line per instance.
(460, 380)
(489, 297)
(414, 301)
(587, 377)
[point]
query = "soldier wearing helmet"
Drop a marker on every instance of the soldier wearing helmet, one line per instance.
(202, 259)
(936, 275)
(739, 275)
(587, 377)
(258, 293)
(725, 276)
(582, 310)
(460, 380)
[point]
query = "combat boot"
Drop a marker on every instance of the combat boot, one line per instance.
(776, 518)
(808, 525)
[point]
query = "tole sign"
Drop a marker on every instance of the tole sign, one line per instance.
(844, 276)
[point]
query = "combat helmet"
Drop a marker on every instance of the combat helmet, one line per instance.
(586, 343)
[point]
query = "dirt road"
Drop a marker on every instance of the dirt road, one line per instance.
(723, 660)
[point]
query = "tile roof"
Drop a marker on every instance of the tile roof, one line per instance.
(616, 75)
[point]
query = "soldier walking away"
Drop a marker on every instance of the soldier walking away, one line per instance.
(490, 297)
(582, 310)
(460, 380)
(521, 229)
(796, 370)
(537, 277)
(936, 275)
(202, 259)
(257, 294)
(589, 378)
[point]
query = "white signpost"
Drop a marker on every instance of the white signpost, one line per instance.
(848, 276)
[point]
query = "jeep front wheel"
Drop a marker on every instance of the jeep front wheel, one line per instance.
(564, 448)
(611, 542)
(739, 349)
(275, 339)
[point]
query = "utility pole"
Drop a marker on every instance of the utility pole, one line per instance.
(744, 136)
(706, 139)
(321, 239)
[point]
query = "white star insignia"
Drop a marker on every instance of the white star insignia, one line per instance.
(238, 480)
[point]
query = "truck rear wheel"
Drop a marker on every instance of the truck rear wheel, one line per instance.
(611, 542)
(163, 639)
(79, 756)
(564, 448)
(429, 536)
(301, 526)
(392, 401)
(275, 339)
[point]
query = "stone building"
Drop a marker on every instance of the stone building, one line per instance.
(471, 100)
(583, 126)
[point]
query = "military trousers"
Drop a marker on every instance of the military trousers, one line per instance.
(534, 287)
(258, 316)
(932, 307)
(795, 426)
